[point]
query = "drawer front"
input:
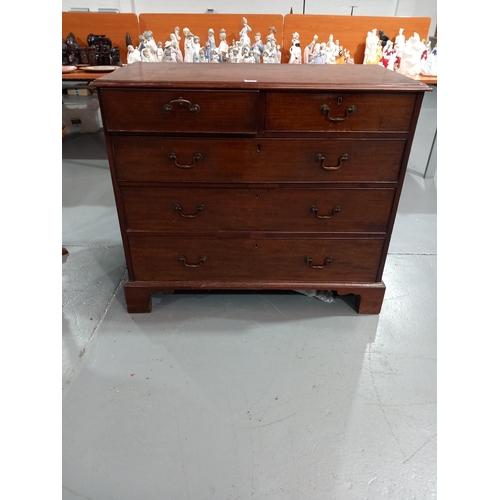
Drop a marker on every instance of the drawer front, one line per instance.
(161, 159)
(198, 259)
(180, 111)
(339, 112)
(242, 209)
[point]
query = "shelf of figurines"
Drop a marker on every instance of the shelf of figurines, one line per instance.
(413, 57)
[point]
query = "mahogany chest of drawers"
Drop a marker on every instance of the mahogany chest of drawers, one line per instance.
(234, 176)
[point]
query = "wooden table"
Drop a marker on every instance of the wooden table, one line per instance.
(81, 75)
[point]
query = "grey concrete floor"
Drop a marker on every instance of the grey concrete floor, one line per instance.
(244, 395)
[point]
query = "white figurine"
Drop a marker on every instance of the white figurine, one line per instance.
(372, 40)
(223, 46)
(159, 52)
(411, 57)
(133, 55)
(147, 56)
(167, 52)
(272, 32)
(244, 38)
(246, 56)
(214, 55)
(176, 35)
(151, 44)
(176, 52)
(196, 45)
(308, 50)
(429, 65)
(400, 41)
(273, 50)
(295, 53)
(188, 45)
(201, 56)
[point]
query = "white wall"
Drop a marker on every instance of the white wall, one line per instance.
(427, 8)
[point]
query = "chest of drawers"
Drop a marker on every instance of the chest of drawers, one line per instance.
(234, 176)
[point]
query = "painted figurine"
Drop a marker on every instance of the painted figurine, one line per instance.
(295, 51)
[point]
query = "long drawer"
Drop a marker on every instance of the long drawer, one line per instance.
(180, 111)
(243, 209)
(339, 112)
(166, 159)
(192, 259)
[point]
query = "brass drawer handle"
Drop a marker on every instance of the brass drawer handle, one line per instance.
(168, 108)
(196, 157)
(321, 159)
(328, 260)
(335, 210)
(178, 208)
(201, 260)
(325, 110)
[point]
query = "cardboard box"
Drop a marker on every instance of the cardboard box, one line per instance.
(81, 90)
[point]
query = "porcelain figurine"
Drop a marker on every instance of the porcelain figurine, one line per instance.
(188, 45)
(245, 39)
(201, 56)
(272, 32)
(399, 41)
(274, 54)
(176, 35)
(315, 55)
(388, 56)
(258, 47)
(173, 44)
(347, 57)
(142, 43)
(196, 45)
(211, 38)
(429, 66)
(234, 54)
(372, 40)
(158, 55)
(341, 56)
(146, 55)
(411, 57)
(133, 55)
(151, 44)
(214, 55)
(308, 50)
(223, 46)
(295, 53)
(246, 56)
(167, 52)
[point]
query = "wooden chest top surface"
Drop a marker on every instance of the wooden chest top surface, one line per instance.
(261, 76)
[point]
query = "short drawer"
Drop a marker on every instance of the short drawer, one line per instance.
(243, 209)
(162, 159)
(198, 259)
(339, 112)
(193, 111)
